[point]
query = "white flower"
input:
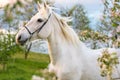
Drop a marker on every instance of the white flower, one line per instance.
(34, 77)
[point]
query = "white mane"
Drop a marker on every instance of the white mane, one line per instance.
(67, 31)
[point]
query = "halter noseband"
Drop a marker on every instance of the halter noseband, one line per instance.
(39, 29)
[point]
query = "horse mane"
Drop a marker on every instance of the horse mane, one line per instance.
(67, 31)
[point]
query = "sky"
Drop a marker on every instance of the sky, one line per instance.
(93, 7)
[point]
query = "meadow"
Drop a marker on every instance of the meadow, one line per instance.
(20, 68)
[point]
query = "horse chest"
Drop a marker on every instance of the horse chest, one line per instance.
(67, 67)
(67, 72)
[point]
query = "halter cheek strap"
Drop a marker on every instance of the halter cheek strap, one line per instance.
(29, 31)
(39, 29)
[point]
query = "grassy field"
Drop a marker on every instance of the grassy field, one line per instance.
(21, 69)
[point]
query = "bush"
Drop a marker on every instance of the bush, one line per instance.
(108, 62)
(8, 47)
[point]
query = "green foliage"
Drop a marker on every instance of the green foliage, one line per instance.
(80, 19)
(17, 13)
(94, 38)
(9, 11)
(68, 12)
(13, 15)
(89, 34)
(98, 39)
(7, 48)
(115, 13)
(111, 15)
(38, 1)
(108, 62)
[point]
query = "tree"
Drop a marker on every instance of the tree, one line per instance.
(68, 13)
(7, 48)
(79, 15)
(110, 21)
(111, 16)
(11, 17)
(80, 19)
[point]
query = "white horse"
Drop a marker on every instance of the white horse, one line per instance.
(70, 58)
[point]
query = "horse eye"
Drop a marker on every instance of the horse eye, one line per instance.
(40, 20)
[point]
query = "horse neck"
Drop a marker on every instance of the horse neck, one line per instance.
(59, 46)
(55, 48)
(59, 49)
(56, 41)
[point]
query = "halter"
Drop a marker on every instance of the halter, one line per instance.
(39, 29)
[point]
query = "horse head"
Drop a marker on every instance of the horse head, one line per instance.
(37, 27)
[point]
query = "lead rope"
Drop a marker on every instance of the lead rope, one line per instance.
(28, 47)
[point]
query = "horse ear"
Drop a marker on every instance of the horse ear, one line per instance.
(45, 5)
(39, 6)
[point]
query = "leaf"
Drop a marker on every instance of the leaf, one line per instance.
(115, 24)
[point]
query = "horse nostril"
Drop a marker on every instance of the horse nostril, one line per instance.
(19, 38)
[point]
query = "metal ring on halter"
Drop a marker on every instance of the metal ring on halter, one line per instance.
(39, 29)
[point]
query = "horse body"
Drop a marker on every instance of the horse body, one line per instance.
(65, 63)
(78, 64)
(71, 62)
(62, 57)
(70, 58)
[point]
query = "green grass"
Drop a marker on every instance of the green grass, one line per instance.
(20, 69)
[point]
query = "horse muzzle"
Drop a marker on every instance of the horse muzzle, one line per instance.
(20, 40)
